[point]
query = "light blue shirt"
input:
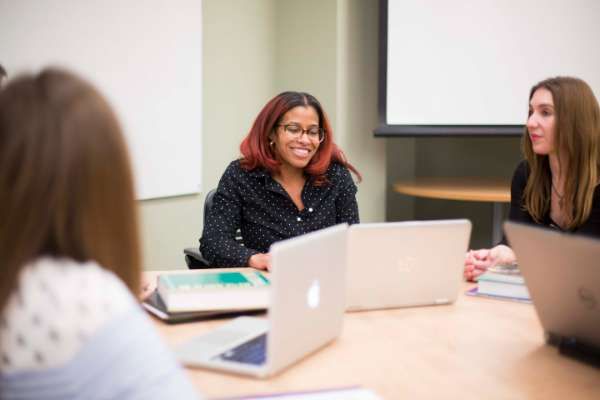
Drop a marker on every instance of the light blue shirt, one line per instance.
(126, 359)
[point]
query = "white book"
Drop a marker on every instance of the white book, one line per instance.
(503, 285)
(207, 290)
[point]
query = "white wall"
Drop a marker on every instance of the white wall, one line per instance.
(145, 56)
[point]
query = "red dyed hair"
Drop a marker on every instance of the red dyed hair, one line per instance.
(256, 151)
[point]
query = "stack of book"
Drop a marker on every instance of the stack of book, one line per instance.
(503, 286)
(186, 296)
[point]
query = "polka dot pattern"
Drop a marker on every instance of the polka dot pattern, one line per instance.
(255, 203)
(58, 305)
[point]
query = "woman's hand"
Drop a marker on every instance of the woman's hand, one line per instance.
(146, 289)
(478, 261)
(260, 261)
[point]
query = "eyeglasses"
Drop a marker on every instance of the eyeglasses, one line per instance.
(314, 133)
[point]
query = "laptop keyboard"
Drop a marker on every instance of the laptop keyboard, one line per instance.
(251, 352)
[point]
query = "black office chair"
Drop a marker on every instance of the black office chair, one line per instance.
(193, 256)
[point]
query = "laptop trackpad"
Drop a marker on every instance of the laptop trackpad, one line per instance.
(253, 352)
(221, 340)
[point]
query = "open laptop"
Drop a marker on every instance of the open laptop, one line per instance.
(402, 264)
(562, 274)
(306, 311)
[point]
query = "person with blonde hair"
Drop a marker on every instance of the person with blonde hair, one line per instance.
(70, 325)
(556, 185)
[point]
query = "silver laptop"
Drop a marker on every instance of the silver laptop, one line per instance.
(306, 311)
(402, 264)
(562, 274)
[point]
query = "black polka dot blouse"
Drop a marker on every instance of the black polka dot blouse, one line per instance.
(255, 203)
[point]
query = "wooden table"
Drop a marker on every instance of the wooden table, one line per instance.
(477, 348)
(494, 190)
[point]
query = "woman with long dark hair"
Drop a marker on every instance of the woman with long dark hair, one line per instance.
(291, 179)
(557, 184)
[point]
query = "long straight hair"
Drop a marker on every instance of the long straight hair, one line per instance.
(576, 142)
(255, 148)
(66, 188)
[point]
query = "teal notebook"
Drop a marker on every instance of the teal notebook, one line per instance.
(214, 280)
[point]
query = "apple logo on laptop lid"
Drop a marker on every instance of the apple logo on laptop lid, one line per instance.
(313, 295)
(406, 264)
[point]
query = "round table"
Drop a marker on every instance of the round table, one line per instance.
(494, 190)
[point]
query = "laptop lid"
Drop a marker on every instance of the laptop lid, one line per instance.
(306, 310)
(562, 275)
(401, 264)
(307, 295)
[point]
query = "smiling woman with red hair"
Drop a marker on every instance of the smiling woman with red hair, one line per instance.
(291, 179)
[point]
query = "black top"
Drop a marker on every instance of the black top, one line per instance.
(264, 212)
(590, 227)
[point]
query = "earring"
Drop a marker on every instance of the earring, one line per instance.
(271, 143)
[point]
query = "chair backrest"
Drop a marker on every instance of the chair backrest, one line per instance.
(208, 203)
(193, 256)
